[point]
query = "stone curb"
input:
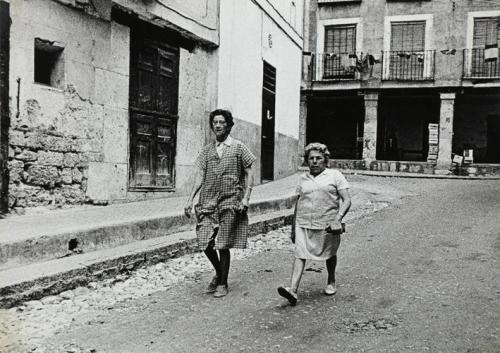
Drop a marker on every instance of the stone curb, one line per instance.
(70, 272)
(411, 175)
(418, 175)
(90, 238)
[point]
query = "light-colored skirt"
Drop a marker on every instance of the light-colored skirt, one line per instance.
(315, 244)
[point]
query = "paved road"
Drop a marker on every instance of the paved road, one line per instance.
(421, 275)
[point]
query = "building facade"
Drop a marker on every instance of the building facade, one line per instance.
(404, 85)
(109, 100)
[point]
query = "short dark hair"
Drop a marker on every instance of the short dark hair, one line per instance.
(225, 113)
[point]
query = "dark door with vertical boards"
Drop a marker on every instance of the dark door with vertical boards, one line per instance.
(268, 121)
(154, 82)
(4, 105)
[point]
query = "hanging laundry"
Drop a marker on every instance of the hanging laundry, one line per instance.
(420, 57)
(491, 52)
(353, 60)
(345, 62)
(372, 60)
(448, 51)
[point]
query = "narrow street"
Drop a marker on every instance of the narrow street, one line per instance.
(421, 275)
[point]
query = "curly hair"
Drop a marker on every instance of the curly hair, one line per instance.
(316, 146)
(225, 113)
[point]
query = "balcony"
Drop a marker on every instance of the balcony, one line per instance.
(408, 65)
(479, 64)
(335, 66)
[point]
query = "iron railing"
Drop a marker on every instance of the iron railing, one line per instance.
(408, 65)
(335, 66)
(480, 64)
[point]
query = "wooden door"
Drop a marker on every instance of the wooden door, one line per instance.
(493, 139)
(268, 122)
(153, 112)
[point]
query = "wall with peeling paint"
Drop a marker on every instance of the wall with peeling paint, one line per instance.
(70, 145)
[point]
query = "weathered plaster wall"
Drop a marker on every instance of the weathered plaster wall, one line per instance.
(59, 135)
(71, 145)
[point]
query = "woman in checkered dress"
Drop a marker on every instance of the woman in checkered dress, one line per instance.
(225, 180)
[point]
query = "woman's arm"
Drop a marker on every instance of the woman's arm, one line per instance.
(197, 181)
(245, 202)
(292, 234)
(345, 205)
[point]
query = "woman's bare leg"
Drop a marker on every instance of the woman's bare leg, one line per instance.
(297, 270)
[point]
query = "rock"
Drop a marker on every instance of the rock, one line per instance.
(33, 305)
(51, 299)
(67, 294)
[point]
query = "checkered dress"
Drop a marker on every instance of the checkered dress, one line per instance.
(221, 193)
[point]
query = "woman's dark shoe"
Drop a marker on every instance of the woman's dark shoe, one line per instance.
(221, 291)
(212, 286)
(286, 292)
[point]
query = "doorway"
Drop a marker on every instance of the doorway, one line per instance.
(268, 122)
(154, 87)
(493, 139)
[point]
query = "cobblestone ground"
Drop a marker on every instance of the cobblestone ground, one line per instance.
(417, 276)
(26, 328)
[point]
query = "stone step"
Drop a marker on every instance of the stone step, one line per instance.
(37, 246)
(36, 280)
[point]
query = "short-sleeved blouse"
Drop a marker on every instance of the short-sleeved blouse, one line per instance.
(318, 202)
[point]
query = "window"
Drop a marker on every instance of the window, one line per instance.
(407, 53)
(339, 59)
(408, 36)
(484, 56)
(49, 63)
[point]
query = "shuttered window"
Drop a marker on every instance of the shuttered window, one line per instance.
(486, 31)
(408, 36)
(340, 39)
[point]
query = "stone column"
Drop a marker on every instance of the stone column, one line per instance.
(445, 132)
(304, 99)
(370, 128)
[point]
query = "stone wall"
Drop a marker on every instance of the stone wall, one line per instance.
(69, 143)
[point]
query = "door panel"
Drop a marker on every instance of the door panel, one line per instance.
(153, 105)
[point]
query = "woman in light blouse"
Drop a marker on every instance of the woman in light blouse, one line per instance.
(322, 202)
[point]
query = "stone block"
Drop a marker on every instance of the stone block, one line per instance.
(119, 60)
(16, 169)
(34, 140)
(16, 138)
(87, 158)
(71, 194)
(71, 160)
(111, 89)
(67, 176)
(107, 181)
(82, 77)
(50, 158)
(27, 156)
(12, 152)
(42, 175)
(77, 175)
(115, 139)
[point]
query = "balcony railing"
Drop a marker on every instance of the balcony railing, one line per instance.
(335, 66)
(408, 65)
(480, 64)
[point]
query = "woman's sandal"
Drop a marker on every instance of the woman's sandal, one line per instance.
(288, 294)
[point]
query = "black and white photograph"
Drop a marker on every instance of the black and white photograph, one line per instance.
(249, 176)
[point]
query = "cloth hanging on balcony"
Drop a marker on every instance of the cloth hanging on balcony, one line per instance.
(448, 51)
(491, 52)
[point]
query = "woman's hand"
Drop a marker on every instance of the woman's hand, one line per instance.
(334, 227)
(188, 208)
(243, 206)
